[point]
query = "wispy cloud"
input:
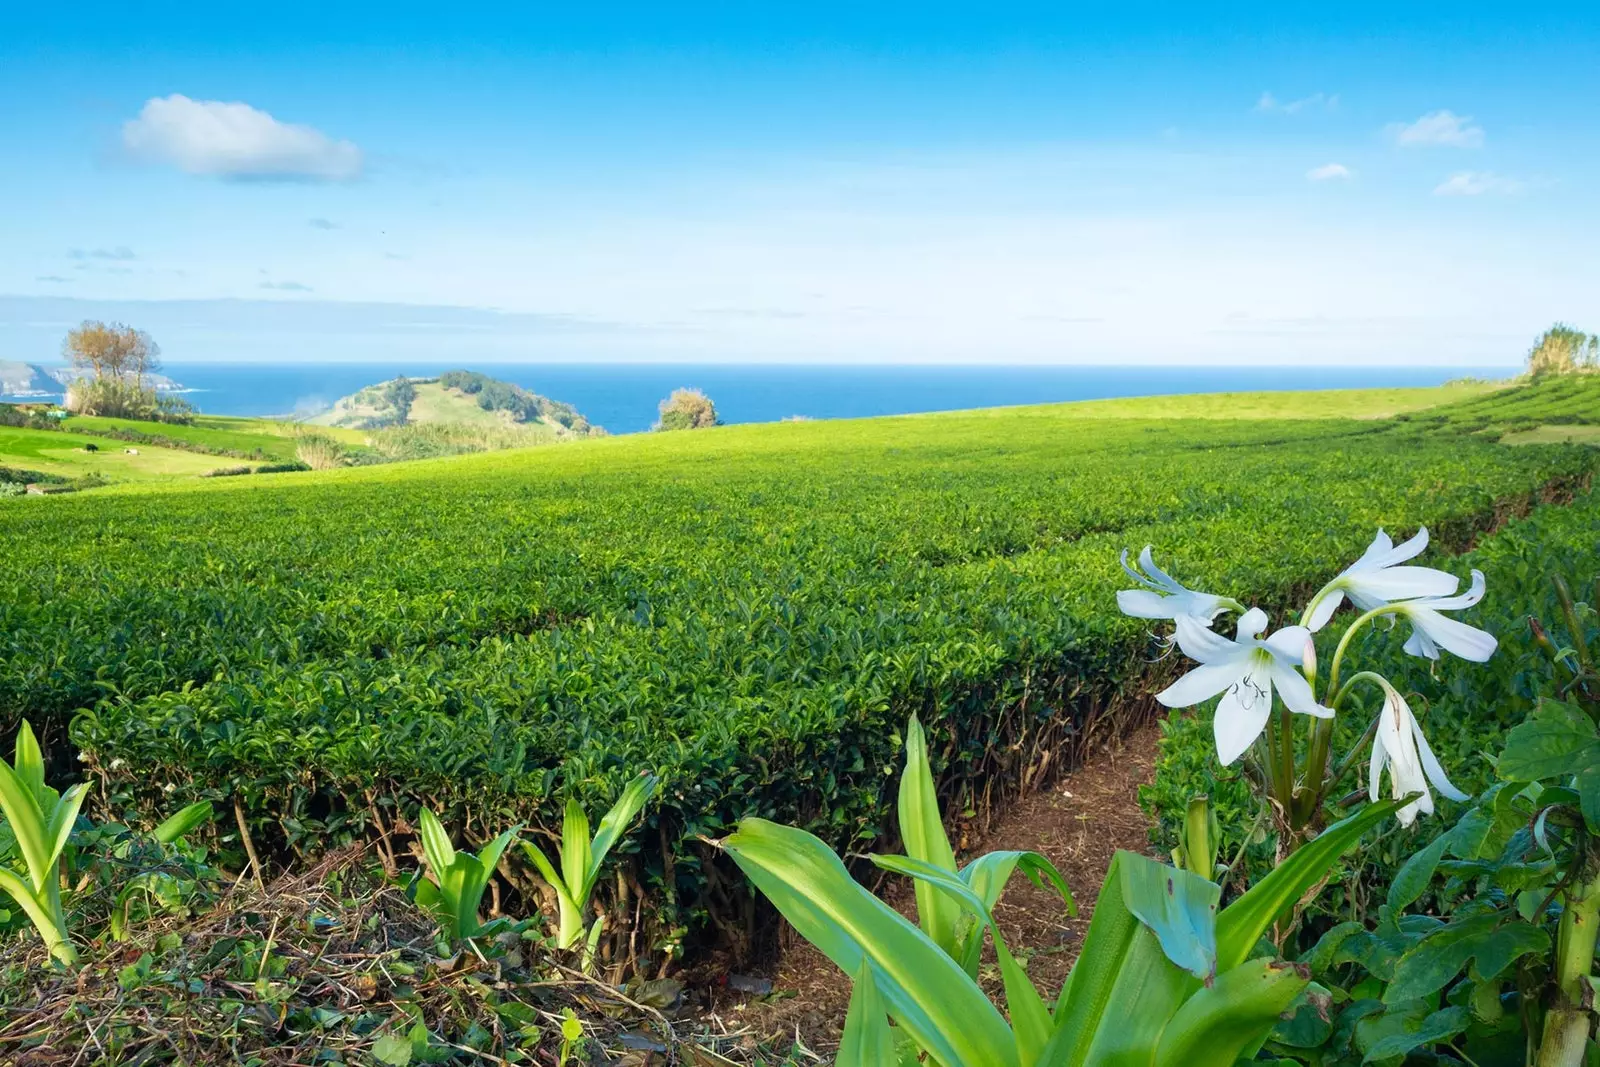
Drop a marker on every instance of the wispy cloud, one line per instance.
(234, 140)
(53, 278)
(121, 253)
(1438, 129)
(1271, 105)
(322, 224)
(1477, 183)
(1328, 172)
(287, 287)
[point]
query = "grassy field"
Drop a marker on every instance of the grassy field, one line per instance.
(55, 452)
(749, 611)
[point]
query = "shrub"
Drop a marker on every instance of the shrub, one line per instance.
(225, 472)
(1564, 350)
(282, 468)
(319, 451)
(13, 489)
(687, 409)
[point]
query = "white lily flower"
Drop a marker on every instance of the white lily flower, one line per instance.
(1244, 670)
(1164, 597)
(1398, 744)
(1377, 579)
(1431, 631)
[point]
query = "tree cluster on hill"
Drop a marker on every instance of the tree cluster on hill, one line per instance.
(522, 405)
(687, 409)
(114, 362)
(1564, 350)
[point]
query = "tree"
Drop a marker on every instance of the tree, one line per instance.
(687, 409)
(1564, 350)
(112, 350)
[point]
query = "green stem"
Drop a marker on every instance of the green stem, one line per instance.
(1285, 733)
(1566, 1025)
(1344, 643)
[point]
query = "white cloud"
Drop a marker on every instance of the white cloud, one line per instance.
(1271, 105)
(121, 252)
(1476, 183)
(1443, 128)
(1328, 171)
(287, 287)
(233, 140)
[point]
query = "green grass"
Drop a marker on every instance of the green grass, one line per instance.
(63, 453)
(1309, 404)
(1555, 434)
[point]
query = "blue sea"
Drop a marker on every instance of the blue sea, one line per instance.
(623, 397)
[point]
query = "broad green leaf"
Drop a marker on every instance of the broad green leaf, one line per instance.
(1148, 991)
(922, 832)
(29, 765)
(1588, 784)
(868, 1039)
(1430, 964)
(1179, 907)
(1558, 739)
(1216, 1025)
(1324, 953)
(927, 992)
(1412, 879)
(1242, 923)
(1439, 1026)
(1505, 946)
(392, 1049)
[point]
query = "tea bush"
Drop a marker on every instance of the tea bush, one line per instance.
(749, 614)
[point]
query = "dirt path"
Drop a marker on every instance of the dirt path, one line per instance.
(1078, 824)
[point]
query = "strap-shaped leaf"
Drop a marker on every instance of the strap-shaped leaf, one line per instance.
(615, 821)
(1241, 924)
(436, 846)
(183, 822)
(575, 864)
(59, 829)
(922, 832)
(476, 878)
(868, 1040)
(988, 875)
(54, 937)
(548, 872)
(29, 765)
(926, 991)
(1030, 1019)
(1217, 1024)
(21, 809)
(1087, 995)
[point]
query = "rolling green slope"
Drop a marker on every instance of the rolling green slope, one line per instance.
(749, 611)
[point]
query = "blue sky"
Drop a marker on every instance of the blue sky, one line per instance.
(990, 183)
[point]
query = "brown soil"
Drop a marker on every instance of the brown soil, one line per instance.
(1078, 824)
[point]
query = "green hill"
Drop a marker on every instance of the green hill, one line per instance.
(464, 398)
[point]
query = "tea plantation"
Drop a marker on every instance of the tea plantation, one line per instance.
(749, 612)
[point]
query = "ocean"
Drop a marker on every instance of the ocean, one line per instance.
(623, 397)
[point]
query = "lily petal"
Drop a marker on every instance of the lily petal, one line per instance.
(1202, 683)
(1473, 594)
(1290, 643)
(1242, 714)
(1431, 765)
(1383, 552)
(1143, 604)
(1457, 638)
(1296, 692)
(1162, 578)
(1402, 583)
(1251, 623)
(1324, 608)
(1203, 645)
